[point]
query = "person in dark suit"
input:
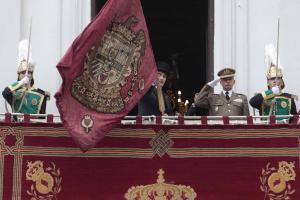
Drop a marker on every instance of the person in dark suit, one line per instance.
(21, 95)
(156, 102)
(226, 103)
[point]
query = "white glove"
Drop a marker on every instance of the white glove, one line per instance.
(24, 81)
(214, 82)
(276, 90)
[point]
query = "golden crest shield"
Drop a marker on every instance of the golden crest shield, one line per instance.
(110, 66)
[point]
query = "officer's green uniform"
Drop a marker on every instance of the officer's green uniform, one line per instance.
(275, 105)
(270, 104)
(23, 100)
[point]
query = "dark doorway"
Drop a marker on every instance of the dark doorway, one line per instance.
(181, 33)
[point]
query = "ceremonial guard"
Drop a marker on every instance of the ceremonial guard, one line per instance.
(227, 103)
(274, 101)
(21, 95)
(156, 102)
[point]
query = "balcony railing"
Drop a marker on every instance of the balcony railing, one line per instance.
(163, 120)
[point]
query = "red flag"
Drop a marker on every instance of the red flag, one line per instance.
(105, 72)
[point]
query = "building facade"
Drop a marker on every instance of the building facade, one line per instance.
(241, 30)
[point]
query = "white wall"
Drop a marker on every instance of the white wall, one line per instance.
(244, 27)
(55, 24)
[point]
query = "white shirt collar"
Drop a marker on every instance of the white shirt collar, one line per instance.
(229, 93)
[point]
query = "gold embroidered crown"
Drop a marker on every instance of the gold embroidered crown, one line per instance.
(35, 170)
(123, 29)
(160, 190)
(287, 170)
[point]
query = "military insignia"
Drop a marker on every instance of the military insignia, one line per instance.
(47, 182)
(87, 123)
(238, 100)
(111, 68)
(276, 183)
(34, 102)
(283, 104)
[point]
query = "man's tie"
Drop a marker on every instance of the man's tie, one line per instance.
(227, 95)
(161, 103)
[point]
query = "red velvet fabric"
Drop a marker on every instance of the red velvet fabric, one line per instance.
(72, 64)
(218, 162)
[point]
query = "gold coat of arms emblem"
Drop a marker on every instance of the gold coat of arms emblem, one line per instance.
(46, 182)
(276, 183)
(111, 69)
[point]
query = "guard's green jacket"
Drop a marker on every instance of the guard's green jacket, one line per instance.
(270, 104)
(22, 100)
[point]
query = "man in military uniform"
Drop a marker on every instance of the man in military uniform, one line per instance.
(21, 95)
(156, 102)
(273, 101)
(227, 103)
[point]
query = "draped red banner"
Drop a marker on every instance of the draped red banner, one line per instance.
(40, 161)
(105, 72)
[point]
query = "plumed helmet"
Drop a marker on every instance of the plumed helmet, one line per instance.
(273, 70)
(22, 59)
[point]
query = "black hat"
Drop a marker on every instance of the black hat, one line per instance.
(163, 67)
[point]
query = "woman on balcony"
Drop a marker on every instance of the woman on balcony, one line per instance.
(156, 102)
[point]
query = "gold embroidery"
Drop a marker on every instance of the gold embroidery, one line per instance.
(87, 123)
(34, 102)
(283, 104)
(276, 183)
(109, 66)
(47, 181)
(161, 143)
(160, 191)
